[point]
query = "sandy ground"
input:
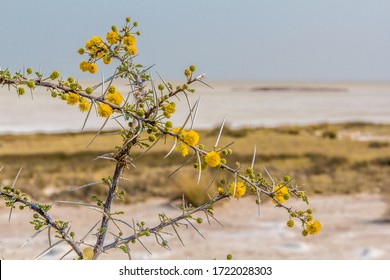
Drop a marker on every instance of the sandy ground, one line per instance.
(353, 228)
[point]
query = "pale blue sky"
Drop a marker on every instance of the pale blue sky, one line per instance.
(280, 40)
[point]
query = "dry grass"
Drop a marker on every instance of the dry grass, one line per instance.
(323, 157)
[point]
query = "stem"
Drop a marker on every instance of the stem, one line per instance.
(35, 207)
(107, 208)
(170, 222)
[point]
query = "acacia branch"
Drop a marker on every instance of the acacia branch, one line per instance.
(169, 222)
(48, 220)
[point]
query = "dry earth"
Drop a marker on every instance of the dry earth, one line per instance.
(353, 228)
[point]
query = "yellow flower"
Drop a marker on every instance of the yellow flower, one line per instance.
(132, 50)
(104, 110)
(107, 60)
(84, 66)
(169, 109)
(240, 189)
(114, 98)
(112, 37)
(72, 98)
(313, 227)
(96, 47)
(212, 159)
(191, 137)
(88, 253)
(129, 40)
(176, 131)
(183, 149)
(84, 105)
(92, 68)
(180, 145)
(281, 193)
(94, 42)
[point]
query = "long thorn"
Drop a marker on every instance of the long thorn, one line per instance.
(196, 112)
(254, 157)
(16, 177)
(220, 132)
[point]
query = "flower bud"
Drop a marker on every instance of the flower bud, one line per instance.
(55, 75)
(128, 19)
(112, 89)
(168, 124)
(140, 112)
(20, 90)
(88, 253)
(290, 223)
(305, 232)
(88, 90)
(286, 178)
(31, 84)
(192, 68)
(81, 51)
(199, 220)
(29, 71)
(187, 72)
(160, 87)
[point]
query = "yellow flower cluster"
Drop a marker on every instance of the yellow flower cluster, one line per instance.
(73, 98)
(104, 110)
(190, 138)
(130, 44)
(281, 193)
(112, 37)
(114, 98)
(96, 47)
(169, 109)
(88, 67)
(84, 105)
(117, 43)
(313, 227)
(212, 159)
(237, 190)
